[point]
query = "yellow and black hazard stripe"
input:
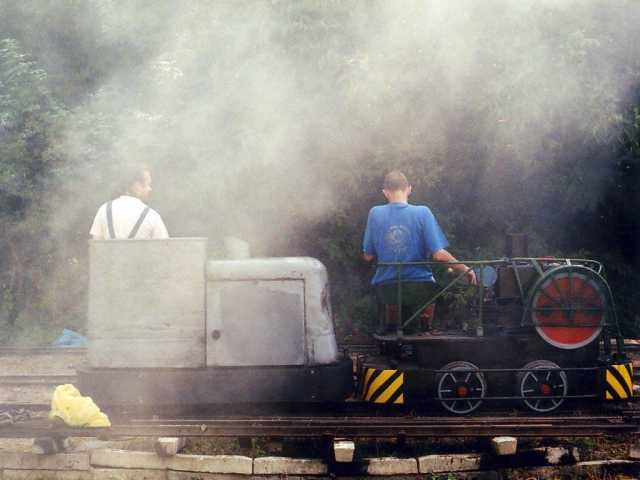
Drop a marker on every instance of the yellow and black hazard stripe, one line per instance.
(383, 386)
(619, 381)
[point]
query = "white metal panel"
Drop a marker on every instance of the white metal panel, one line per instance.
(147, 303)
(255, 323)
(319, 336)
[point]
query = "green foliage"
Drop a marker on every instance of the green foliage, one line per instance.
(30, 119)
(28, 115)
(448, 476)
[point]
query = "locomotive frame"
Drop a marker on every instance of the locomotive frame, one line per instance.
(552, 320)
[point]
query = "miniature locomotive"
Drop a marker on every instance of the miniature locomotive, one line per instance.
(168, 327)
(544, 335)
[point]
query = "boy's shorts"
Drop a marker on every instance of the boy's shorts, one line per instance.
(414, 295)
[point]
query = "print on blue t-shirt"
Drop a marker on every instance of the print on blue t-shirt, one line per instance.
(401, 232)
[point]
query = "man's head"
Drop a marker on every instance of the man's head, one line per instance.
(136, 181)
(396, 187)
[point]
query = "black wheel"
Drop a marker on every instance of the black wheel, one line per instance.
(461, 388)
(545, 379)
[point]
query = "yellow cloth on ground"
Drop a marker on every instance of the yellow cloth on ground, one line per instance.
(75, 410)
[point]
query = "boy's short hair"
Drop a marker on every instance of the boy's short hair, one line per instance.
(395, 180)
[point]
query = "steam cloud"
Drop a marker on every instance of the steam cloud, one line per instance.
(246, 114)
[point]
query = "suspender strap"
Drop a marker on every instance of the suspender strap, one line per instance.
(112, 234)
(136, 227)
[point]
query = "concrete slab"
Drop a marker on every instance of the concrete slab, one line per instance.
(212, 463)
(449, 463)
(560, 455)
(169, 446)
(174, 475)
(343, 450)
(16, 444)
(87, 444)
(605, 463)
(392, 466)
(476, 475)
(128, 474)
(289, 477)
(32, 461)
(288, 466)
(504, 445)
(190, 463)
(127, 459)
(9, 474)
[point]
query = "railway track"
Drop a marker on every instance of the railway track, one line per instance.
(28, 375)
(49, 367)
(332, 427)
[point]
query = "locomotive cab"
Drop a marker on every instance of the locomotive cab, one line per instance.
(167, 327)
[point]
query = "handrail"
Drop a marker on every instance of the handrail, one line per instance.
(536, 262)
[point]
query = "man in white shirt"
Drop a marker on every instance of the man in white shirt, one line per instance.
(128, 216)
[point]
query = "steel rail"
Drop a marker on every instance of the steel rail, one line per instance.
(47, 379)
(32, 406)
(415, 420)
(44, 350)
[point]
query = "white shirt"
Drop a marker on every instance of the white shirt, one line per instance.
(126, 211)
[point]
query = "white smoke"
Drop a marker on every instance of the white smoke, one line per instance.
(256, 115)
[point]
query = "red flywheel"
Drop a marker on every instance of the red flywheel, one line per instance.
(568, 306)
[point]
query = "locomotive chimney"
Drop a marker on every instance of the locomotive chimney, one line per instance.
(517, 245)
(236, 248)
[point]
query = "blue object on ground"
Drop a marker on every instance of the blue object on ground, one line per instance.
(69, 338)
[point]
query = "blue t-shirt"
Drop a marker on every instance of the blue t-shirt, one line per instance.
(401, 232)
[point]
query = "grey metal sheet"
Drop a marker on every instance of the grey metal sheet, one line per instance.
(256, 323)
(319, 337)
(147, 303)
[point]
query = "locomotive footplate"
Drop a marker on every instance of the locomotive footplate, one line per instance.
(461, 373)
(496, 351)
(180, 386)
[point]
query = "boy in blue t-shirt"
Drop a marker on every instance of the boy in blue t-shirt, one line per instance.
(399, 232)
